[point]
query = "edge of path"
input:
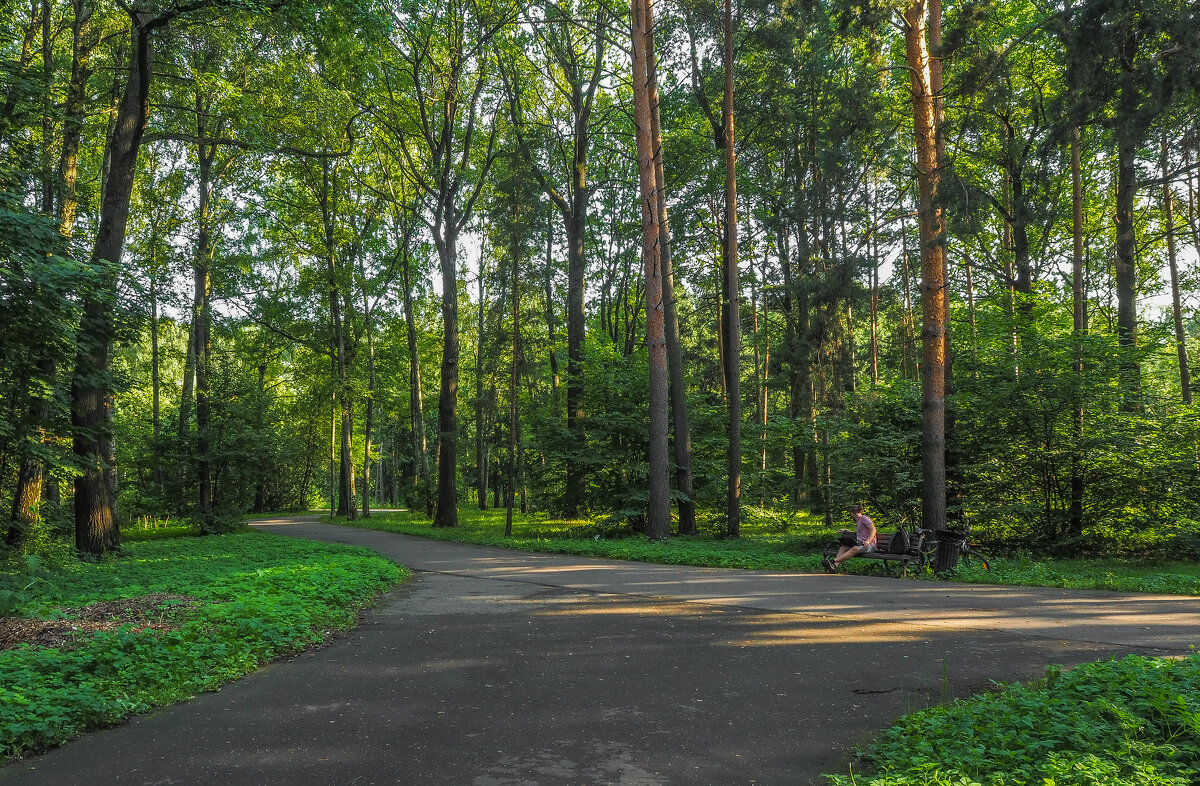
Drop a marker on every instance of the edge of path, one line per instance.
(1160, 624)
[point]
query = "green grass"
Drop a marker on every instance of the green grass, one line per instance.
(1130, 722)
(261, 596)
(783, 542)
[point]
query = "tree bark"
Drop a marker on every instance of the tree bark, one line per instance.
(74, 113)
(1079, 319)
(514, 422)
(659, 514)
(420, 449)
(733, 349)
(30, 471)
(1185, 377)
(677, 385)
(933, 269)
(1126, 274)
(202, 316)
(96, 531)
(446, 513)
(369, 425)
(481, 446)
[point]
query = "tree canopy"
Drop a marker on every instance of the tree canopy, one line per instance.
(947, 266)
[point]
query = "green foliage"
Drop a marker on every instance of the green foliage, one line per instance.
(1134, 722)
(259, 596)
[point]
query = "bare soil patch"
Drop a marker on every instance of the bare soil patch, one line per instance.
(158, 611)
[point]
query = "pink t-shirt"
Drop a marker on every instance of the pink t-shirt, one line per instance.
(865, 531)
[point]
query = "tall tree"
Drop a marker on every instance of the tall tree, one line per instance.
(733, 321)
(678, 383)
(933, 269)
(658, 521)
(571, 39)
(1129, 61)
(91, 389)
(444, 59)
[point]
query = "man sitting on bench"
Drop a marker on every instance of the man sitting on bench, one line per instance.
(863, 538)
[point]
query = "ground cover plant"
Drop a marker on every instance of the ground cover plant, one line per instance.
(1129, 722)
(773, 540)
(178, 616)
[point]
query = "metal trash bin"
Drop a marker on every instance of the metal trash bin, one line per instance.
(948, 551)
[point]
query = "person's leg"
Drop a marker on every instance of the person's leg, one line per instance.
(845, 553)
(830, 565)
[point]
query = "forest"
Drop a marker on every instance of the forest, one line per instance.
(650, 266)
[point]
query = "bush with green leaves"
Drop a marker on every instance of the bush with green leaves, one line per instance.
(1129, 722)
(259, 596)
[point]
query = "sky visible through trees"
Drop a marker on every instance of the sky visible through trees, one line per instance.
(936, 257)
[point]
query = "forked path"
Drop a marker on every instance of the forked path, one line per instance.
(503, 668)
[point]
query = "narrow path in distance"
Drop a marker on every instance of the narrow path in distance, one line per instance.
(503, 668)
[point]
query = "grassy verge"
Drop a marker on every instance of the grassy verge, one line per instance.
(257, 596)
(1130, 722)
(784, 543)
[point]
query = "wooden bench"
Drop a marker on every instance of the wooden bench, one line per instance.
(919, 549)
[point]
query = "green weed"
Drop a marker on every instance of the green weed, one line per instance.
(1129, 722)
(261, 596)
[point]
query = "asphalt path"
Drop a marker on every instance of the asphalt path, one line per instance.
(503, 668)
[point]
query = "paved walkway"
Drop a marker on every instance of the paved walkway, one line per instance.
(503, 668)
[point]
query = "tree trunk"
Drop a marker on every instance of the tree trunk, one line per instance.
(48, 111)
(96, 529)
(481, 446)
(420, 449)
(514, 384)
(1126, 274)
(155, 383)
(574, 492)
(369, 425)
(552, 339)
(202, 318)
(1185, 377)
(677, 385)
(659, 514)
(30, 472)
(260, 418)
(933, 282)
(733, 349)
(446, 513)
(1079, 302)
(874, 288)
(908, 360)
(74, 113)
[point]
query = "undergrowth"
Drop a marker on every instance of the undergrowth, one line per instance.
(261, 596)
(1129, 722)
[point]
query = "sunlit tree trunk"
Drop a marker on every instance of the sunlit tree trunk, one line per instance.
(659, 513)
(933, 272)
